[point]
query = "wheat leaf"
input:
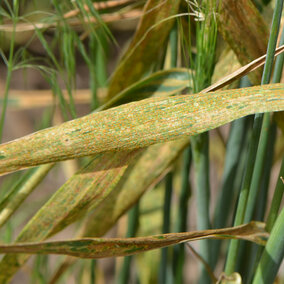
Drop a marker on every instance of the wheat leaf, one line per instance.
(102, 247)
(139, 124)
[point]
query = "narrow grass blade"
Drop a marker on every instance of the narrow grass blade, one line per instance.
(163, 270)
(146, 44)
(181, 221)
(200, 153)
(138, 125)
(276, 201)
(101, 247)
(234, 145)
(133, 218)
(11, 203)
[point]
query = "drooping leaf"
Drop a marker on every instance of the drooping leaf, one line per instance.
(139, 124)
(102, 247)
(146, 44)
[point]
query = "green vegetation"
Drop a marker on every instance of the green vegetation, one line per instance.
(174, 134)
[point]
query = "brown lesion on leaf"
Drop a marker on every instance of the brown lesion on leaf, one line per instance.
(282, 179)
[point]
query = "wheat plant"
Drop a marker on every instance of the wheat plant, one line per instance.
(152, 124)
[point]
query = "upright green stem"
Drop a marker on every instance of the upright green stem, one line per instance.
(206, 34)
(250, 253)
(276, 201)
(262, 196)
(200, 146)
(227, 195)
(133, 217)
(259, 129)
(93, 273)
(166, 227)
(233, 150)
(164, 270)
(181, 222)
(273, 254)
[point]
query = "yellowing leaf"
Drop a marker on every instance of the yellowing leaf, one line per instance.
(139, 124)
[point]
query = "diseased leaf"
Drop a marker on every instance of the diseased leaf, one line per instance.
(146, 44)
(93, 195)
(84, 190)
(243, 27)
(139, 124)
(102, 247)
(149, 169)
